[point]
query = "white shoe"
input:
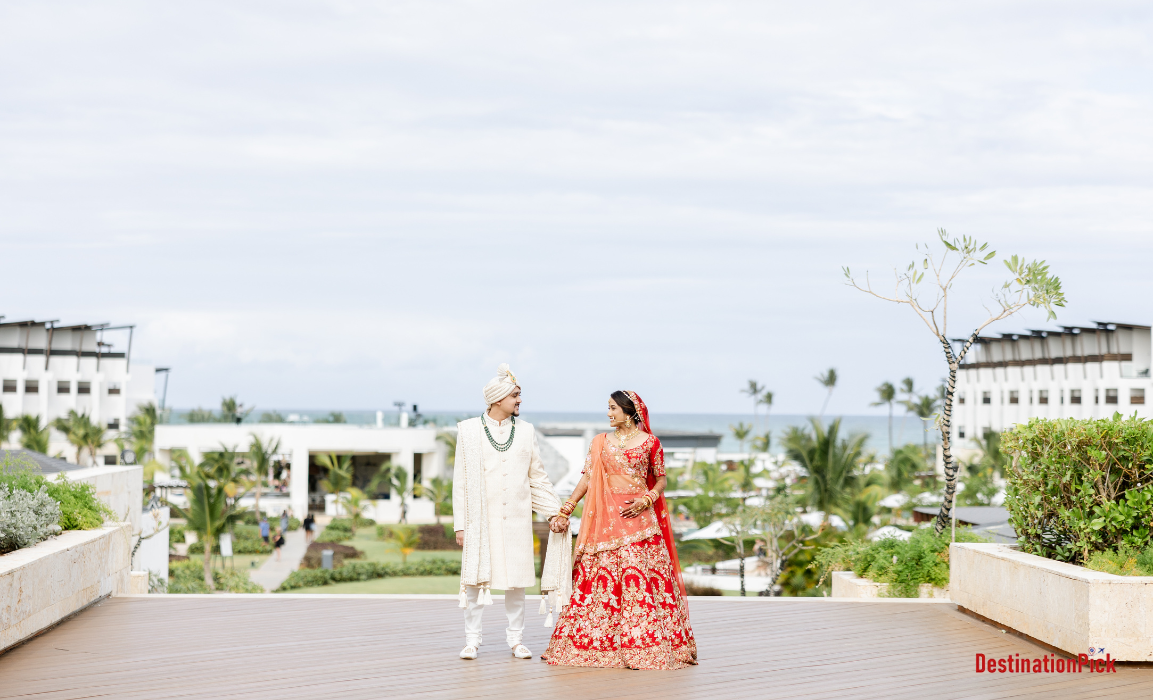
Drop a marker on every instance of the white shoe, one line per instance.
(469, 652)
(520, 651)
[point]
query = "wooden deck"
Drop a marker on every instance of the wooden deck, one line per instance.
(281, 647)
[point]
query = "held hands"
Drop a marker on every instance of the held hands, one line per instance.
(558, 523)
(460, 538)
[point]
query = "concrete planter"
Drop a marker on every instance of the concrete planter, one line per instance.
(1066, 606)
(41, 585)
(846, 584)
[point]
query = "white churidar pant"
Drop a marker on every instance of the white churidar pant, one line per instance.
(513, 607)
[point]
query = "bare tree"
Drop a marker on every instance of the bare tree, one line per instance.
(1030, 285)
(777, 525)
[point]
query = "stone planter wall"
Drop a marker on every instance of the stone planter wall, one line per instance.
(1066, 606)
(41, 585)
(846, 584)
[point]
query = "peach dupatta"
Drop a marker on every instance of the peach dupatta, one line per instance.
(602, 527)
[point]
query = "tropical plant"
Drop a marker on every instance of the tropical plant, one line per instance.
(405, 540)
(762, 443)
(782, 536)
(903, 466)
(232, 411)
(399, 486)
(909, 391)
(261, 456)
(1029, 284)
(271, 417)
(829, 462)
(449, 440)
(924, 407)
(439, 491)
(903, 564)
(26, 517)
(33, 435)
(741, 432)
(713, 497)
(7, 425)
(141, 430)
(332, 417)
(354, 502)
(754, 391)
(828, 380)
(742, 524)
(80, 432)
(210, 512)
(340, 475)
(767, 402)
(886, 394)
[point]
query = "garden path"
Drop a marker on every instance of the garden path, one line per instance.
(360, 646)
(272, 573)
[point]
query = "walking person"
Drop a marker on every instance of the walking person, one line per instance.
(278, 542)
(498, 481)
(284, 521)
(628, 606)
(264, 528)
(309, 523)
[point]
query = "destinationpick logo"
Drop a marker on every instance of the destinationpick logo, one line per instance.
(1096, 661)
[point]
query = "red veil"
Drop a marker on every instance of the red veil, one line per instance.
(661, 507)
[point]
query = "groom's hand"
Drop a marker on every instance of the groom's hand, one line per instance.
(559, 523)
(460, 538)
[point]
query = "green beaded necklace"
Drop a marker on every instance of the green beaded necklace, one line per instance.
(500, 446)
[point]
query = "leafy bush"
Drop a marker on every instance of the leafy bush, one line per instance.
(339, 530)
(175, 533)
(436, 538)
(79, 508)
(1078, 487)
(26, 518)
(245, 540)
(1123, 561)
(903, 564)
(366, 571)
(188, 577)
(251, 518)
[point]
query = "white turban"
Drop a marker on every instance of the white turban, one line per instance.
(499, 386)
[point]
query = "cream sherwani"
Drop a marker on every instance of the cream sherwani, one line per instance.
(515, 484)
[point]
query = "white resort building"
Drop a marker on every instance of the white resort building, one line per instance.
(1073, 372)
(47, 370)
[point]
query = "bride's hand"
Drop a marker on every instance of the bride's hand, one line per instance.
(633, 508)
(559, 523)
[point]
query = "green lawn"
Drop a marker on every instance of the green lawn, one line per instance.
(378, 550)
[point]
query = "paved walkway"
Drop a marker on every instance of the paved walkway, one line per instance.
(273, 573)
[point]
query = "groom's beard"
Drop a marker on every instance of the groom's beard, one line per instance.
(516, 410)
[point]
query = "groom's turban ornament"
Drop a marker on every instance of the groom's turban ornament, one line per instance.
(499, 386)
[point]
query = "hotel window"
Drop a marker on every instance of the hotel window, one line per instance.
(1110, 396)
(1043, 396)
(961, 432)
(63, 387)
(114, 424)
(31, 386)
(1136, 396)
(961, 398)
(1074, 396)
(986, 398)
(9, 386)
(113, 388)
(1014, 396)
(83, 387)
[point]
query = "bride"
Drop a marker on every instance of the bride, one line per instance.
(628, 607)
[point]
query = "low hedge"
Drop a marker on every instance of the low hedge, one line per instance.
(245, 540)
(188, 577)
(314, 555)
(1079, 487)
(339, 530)
(367, 571)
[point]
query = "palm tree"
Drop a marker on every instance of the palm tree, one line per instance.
(33, 436)
(398, 484)
(754, 391)
(767, 402)
(93, 437)
(909, 392)
(887, 393)
(449, 440)
(6, 426)
(925, 407)
(829, 463)
(142, 430)
(405, 540)
(439, 491)
(762, 443)
(340, 473)
(210, 511)
(231, 411)
(829, 381)
(741, 433)
(77, 428)
(261, 456)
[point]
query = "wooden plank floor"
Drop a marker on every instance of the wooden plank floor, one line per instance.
(283, 647)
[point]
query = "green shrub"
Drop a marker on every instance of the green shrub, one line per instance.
(188, 577)
(366, 571)
(80, 509)
(903, 564)
(339, 530)
(1078, 487)
(1123, 561)
(245, 540)
(26, 518)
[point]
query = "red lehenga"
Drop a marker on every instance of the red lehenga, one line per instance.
(628, 607)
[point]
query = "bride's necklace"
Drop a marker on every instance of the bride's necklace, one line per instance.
(625, 437)
(500, 446)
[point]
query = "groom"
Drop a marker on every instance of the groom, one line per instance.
(498, 481)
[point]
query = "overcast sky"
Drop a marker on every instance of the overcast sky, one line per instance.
(342, 204)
